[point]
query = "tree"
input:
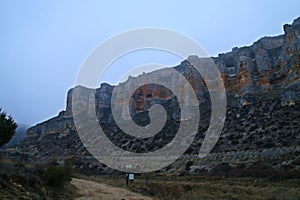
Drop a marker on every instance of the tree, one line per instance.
(7, 127)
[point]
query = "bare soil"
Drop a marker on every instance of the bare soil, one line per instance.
(91, 190)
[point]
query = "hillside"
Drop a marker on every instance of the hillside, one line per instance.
(262, 123)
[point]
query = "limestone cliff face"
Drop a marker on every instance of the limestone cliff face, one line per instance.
(262, 82)
(249, 69)
(271, 63)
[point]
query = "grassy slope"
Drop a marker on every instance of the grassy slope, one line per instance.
(24, 182)
(188, 187)
(18, 181)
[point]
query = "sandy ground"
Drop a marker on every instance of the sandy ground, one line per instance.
(91, 190)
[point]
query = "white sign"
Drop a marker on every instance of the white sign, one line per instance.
(131, 176)
(128, 166)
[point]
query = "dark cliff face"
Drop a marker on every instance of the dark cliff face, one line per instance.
(262, 82)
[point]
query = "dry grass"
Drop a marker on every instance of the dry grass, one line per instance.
(188, 187)
(18, 181)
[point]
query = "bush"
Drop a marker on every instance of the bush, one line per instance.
(7, 127)
(57, 176)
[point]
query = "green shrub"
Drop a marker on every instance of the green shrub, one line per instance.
(57, 176)
(7, 127)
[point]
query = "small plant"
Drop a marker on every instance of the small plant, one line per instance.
(57, 176)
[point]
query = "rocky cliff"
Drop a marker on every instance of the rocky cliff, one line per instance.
(262, 84)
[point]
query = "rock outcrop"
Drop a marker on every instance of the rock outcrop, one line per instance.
(262, 84)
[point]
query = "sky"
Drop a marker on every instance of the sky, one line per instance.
(44, 43)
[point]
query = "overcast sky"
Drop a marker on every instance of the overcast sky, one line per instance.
(43, 43)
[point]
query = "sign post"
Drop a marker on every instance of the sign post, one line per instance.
(129, 176)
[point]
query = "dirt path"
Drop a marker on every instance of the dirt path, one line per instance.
(91, 190)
